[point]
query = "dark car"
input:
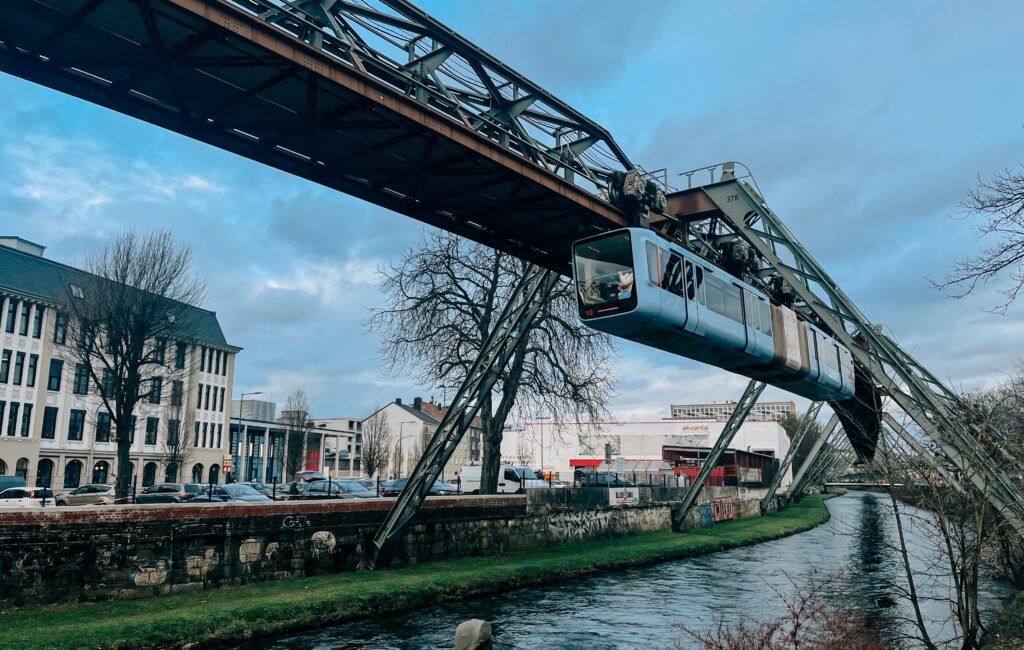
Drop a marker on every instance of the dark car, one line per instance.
(438, 489)
(606, 479)
(233, 493)
(170, 493)
(262, 488)
(336, 489)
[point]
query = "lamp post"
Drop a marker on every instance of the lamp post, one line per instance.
(401, 437)
(241, 434)
(541, 418)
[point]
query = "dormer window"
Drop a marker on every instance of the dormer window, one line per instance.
(76, 291)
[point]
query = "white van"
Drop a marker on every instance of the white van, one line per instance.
(511, 479)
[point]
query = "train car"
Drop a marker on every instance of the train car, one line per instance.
(634, 284)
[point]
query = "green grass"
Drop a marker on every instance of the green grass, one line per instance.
(1008, 631)
(238, 613)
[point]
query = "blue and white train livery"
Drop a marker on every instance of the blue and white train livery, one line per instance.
(634, 284)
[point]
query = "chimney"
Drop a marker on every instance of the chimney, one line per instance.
(417, 403)
(398, 400)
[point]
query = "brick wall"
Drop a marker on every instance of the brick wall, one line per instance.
(62, 554)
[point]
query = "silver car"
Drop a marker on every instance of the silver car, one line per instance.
(94, 494)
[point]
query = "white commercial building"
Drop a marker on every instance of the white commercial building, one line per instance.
(542, 444)
(722, 409)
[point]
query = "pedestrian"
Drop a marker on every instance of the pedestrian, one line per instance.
(458, 483)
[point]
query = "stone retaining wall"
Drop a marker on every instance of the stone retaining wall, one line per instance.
(62, 554)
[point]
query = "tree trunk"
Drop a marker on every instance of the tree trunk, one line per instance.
(491, 463)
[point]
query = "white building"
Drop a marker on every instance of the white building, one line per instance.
(631, 441)
(722, 409)
(412, 426)
(53, 428)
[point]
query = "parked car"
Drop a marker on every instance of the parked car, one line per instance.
(309, 475)
(438, 489)
(336, 489)
(606, 479)
(94, 494)
(26, 497)
(232, 492)
(511, 479)
(262, 488)
(170, 493)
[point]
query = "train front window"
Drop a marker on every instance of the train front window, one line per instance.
(604, 275)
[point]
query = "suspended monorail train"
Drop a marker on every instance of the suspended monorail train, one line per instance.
(634, 284)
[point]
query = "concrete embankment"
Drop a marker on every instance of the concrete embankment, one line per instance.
(237, 613)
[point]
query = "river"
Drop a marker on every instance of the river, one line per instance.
(644, 607)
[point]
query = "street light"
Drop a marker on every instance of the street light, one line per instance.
(239, 446)
(401, 437)
(541, 418)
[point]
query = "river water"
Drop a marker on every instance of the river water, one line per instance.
(644, 607)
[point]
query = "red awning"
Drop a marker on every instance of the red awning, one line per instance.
(585, 462)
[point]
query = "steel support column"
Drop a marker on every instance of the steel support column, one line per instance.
(923, 452)
(805, 425)
(529, 296)
(812, 457)
(739, 414)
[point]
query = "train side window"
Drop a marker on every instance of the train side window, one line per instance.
(733, 302)
(766, 317)
(750, 311)
(654, 264)
(699, 275)
(691, 288)
(673, 281)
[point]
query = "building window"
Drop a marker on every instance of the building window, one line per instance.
(23, 327)
(87, 336)
(56, 370)
(44, 472)
(76, 424)
(100, 472)
(220, 433)
(173, 428)
(156, 386)
(179, 356)
(12, 312)
(37, 325)
(5, 367)
(33, 362)
(205, 429)
(149, 474)
(19, 367)
(103, 427)
(221, 398)
(107, 386)
(152, 425)
(202, 360)
(26, 421)
(176, 389)
(216, 365)
(60, 329)
(73, 474)
(160, 350)
(199, 398)
(81, 379)
(132, 422)
(207, 406)
(195, 443)
(3, 405)
(12, 419)
(49, 423)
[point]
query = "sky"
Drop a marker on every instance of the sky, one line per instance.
(865, 125)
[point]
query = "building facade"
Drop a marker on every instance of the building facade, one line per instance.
(550, 448)
(410, 428)
(54, 429)
(721, 410)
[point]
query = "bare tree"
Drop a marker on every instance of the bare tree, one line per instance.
(178, 444)
(295, 416)
(791, 423)
(443, 299)
(376, 442)
(524, 451)
(1000, 202)
(135, 301)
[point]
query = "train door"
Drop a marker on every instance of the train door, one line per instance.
(694, 296)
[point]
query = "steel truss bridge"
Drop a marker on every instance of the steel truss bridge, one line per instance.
(379, 100)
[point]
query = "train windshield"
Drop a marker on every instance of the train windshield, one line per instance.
(605, 280)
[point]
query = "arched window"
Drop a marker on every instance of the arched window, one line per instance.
(171, 473)
(214, 473)
(149, 474)
(73, 474)
(100, 472)
(3, 468)
(44, 472)
(22, 469)
(197, 473)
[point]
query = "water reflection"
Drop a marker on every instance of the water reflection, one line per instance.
(643, 608)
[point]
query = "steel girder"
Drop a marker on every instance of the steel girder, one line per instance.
(732, 426)
(738, 212)
(812, 457)
(512, 325)
(805, 426)
(929, 457)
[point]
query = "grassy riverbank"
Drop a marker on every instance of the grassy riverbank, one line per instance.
(238, 613)
(1008, 632)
